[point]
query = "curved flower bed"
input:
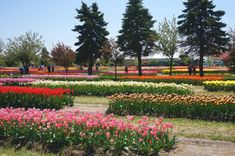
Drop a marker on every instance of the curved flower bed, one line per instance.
(63, 77)
(188, 79)
(14, 96)
(15, 81)
(219, 108)
(103, 88)
(220, 85)
(58, 129)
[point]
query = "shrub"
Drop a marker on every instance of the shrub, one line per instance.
(104, 88)
(219, 108)
(220, 85)
(58, 129)
(14, 96)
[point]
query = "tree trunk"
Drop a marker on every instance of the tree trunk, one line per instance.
(139, 64)
(171, 63)
(115, 70)
(201, 62)
(90, 67)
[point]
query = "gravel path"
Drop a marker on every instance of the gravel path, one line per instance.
(184, 146)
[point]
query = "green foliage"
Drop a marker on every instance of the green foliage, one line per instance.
(45, 58)
(92, 34)
(173, 109)
(167, 39)
(202, 27)
(24, 49)
(16, 100)
(136, 37)
(106, 88)
(228, 85)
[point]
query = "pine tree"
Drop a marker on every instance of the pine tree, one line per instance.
(92, 34)
(136, 38)
(202, 27)
(45, 58)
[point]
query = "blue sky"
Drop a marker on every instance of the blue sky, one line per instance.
(54, 19)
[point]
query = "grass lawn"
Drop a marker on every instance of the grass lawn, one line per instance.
(203, 129)
(90, 100)
(20, 152)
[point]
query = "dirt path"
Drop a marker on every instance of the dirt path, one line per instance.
(91, 108)
(184, 146)
(200, 147)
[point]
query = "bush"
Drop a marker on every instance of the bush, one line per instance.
(104, 88)
(26, 97)
(59, 129)
(174, 106)
(220, 85)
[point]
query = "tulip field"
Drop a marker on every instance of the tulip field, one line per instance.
(34, 109)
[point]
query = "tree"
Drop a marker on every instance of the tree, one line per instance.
(116, 57)
(63, 55)
(24, 49)
(202, 28)
(167, 39)
(92, 34)
(45, 57)
(2, 62)
(136, 37)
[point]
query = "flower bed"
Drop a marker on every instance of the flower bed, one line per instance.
(58, 129)
(14, 96)
(63, 77)
(220, 85)
(15, 81)
(206, 71)
(188, 79)
(219, 108)
(104, 88)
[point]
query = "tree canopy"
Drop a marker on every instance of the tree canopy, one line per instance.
(25, 48)
(202, 28)
(167, 39)
(92, 34)
(136, 37)
(63, 55)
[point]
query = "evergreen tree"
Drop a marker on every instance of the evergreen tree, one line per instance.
(202, 27)
(45, 58)
(92, 34)
(136, 38)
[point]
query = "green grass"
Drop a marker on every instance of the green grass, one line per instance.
(203, 129)
(199, 90)
(211, 130)
(90, 100)
(20, 152)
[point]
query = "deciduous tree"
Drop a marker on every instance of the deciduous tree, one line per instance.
(25, 48)
(167, 39)
(63, 55)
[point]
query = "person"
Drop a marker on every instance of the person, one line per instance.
(49, 69)
(21, 69)
(26, 69)
(126, 69)
(52, 69)
(190, 69)
(194, 70)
